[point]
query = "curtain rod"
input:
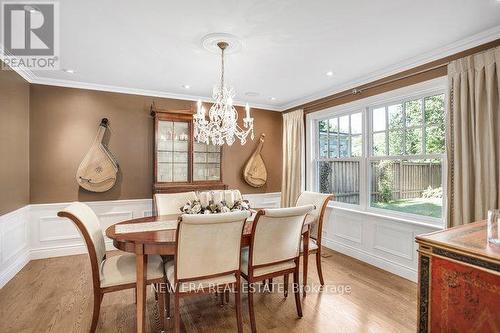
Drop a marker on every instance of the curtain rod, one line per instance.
(431, 66)
(360, 89)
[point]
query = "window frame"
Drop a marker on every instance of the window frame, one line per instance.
(366, 106)
(340, 159)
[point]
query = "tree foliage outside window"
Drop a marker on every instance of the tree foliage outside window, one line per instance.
(402, 165)
(385, 180)
(414, 127)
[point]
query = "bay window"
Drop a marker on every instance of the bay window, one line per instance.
(387, 157)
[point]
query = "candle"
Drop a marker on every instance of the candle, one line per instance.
(229, 198)
(204, 199)
(217, 196)
(199, 106)
(203, 112)
(247, 109)
(237, 195)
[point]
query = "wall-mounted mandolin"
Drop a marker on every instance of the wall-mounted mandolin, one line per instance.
(98, 169)
(255, 173)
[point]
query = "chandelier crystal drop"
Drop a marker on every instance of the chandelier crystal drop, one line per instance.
(222, 123)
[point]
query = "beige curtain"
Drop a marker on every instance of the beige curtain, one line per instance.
(473, 138)
(293, 157)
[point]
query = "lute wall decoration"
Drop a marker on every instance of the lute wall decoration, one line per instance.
(255, 173)
(98, 170)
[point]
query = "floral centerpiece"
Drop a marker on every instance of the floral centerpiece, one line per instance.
(196, 207)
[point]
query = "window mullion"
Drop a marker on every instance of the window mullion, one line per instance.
(403, 107)
(424, 150)
(386, 114)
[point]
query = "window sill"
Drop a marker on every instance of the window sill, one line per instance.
(398, 219)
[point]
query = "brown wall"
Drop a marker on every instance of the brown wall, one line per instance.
(14, 141)
(64, 121)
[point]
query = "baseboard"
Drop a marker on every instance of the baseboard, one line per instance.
(372, 259)
(11, 270)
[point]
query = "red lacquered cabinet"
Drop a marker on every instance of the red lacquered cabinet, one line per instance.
(459, 281)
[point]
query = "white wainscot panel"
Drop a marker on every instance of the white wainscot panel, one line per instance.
(14, 237)
(53, 228)
(383, 242)
(264, 200)
(14, 243)
(108, 219)
(53, 236)
(35, 231)
(394, 241)
(345, 227)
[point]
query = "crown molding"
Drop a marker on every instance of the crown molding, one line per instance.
(26, 73)
(442, 52)
(450, 49)
(134, 91)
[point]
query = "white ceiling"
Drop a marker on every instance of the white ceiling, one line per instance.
(153, 47)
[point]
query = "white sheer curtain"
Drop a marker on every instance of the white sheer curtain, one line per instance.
(473, 140)
(293, 157)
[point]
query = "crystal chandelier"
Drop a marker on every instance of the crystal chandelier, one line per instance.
(222, 123)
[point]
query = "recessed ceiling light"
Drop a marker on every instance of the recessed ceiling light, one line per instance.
(252, 94)
(186, 86)
(273, 98)
(69, 71)
(329, 73)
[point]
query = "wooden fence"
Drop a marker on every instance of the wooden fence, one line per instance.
(408, 179)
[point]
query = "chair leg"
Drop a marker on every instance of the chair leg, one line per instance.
(221, 298)
(161, 307)
(305, 263)
(226, 294)
(251, 310)
(296, 291)
(237, 300)
(177, 314)
(95, 313)
(271, 284)
(285, 284)
(167, 298)
(318, 267)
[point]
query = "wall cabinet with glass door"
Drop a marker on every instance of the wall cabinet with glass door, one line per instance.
(180, 163)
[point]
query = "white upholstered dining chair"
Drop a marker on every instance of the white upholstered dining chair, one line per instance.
(320, 202)
(112, 273)
(274, 250)
(171, 203)
(207, 257)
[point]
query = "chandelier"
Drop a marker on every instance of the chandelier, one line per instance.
(222, 123)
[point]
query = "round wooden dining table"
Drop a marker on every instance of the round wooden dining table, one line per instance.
(162, 242)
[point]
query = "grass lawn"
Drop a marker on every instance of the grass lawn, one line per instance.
(419, 206)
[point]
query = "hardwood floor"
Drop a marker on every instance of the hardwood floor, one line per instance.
(55, 295)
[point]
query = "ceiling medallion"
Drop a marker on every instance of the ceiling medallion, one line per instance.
(222, 124)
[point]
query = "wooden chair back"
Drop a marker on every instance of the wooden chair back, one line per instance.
(171, 203)
(320, 202)
(276, 235)
(208, 245)
(89, 227)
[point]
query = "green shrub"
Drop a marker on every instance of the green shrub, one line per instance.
(432, 192)
(385, 181)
